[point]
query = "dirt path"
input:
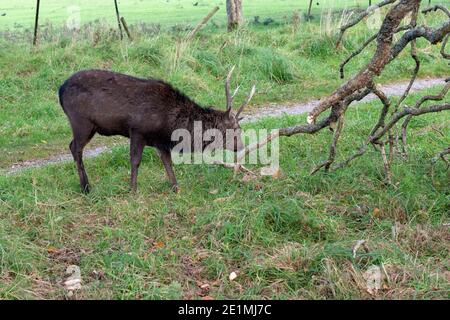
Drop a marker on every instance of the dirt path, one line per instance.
(273, 110)
(395, 89)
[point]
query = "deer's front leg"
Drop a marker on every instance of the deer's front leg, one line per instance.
(137, 144)
(166, 159)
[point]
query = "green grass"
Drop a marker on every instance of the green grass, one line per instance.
(290, 237)
(287, 238)
(285, 65)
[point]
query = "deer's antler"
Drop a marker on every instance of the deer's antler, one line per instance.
(230, 98)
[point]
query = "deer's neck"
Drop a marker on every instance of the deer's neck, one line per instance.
(207, 117)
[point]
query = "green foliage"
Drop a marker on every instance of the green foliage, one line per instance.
(274, 66)
(146, 52)
(290, 237)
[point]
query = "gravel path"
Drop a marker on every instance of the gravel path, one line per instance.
(273, 110)
(395, 89)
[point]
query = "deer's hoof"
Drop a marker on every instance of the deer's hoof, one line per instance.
(86, 189)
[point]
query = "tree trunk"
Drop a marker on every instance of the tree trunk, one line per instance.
(234, 13)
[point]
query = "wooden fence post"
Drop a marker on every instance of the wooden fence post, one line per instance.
(309, 9)
(125, 26)
(118, 19)
(36, 22)
(201, 24)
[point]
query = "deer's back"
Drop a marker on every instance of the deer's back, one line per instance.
(116, 102)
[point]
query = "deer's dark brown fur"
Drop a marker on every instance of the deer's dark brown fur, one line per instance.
(145, 110)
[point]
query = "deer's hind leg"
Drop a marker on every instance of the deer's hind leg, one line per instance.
(83, 131)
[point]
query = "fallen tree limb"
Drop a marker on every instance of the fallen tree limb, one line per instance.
(384, 133)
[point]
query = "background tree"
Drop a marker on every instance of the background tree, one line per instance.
(234, 13)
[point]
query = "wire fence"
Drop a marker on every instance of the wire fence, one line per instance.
(86, 19)
(20, 14)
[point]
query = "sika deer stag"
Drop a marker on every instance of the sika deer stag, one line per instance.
(147, 111)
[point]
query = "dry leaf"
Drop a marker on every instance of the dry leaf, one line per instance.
(204, 286)
(248, 177)
(373, 279)
(214, 191)
(207, 298)
(358, 244)
(203, 254)
(376, 213)
(159, 245)
(274, 172)
(73, 282)
(52, 250)
(98, 275)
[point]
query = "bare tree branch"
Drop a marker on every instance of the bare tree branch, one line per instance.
(441, 155)
(419, 103)
(382, 56)
(444, 43)
(436, 8)
(332, 153)
(383, 135)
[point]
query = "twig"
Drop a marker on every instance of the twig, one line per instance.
(414, 57)
(354, 54)
(201, 24)
(418, 104)
(444, 44)
(436, 8)
(386, 105)
(183, 44)
(409, 111)
(332, 153)
(387, 166)
(361, 17)
(441, 155)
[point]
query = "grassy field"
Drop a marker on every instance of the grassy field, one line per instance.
(286, 238)
(20, 13)
(290, 237)
(286, 65)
